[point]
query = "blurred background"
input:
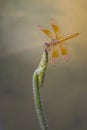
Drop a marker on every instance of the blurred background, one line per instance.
(64, 93)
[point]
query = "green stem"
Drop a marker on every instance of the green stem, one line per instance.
(38, 79)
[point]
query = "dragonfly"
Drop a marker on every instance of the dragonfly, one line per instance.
(57, 40)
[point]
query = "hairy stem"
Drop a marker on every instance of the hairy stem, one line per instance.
(38, 79)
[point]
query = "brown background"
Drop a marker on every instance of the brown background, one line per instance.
(21, 44)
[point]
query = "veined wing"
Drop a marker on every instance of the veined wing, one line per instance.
(64, 52)
(46, 31)
(55, 28)
(54, 54)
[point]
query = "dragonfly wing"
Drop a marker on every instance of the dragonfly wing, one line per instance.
(64, 52)
(46, 31)
(55, 28)
(54, 54)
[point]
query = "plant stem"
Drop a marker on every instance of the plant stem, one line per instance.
(38, 79)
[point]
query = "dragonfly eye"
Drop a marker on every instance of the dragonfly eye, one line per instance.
(47, 45)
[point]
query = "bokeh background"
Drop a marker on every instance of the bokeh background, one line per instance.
(64, 93)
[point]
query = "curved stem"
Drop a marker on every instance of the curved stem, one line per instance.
(38, 79)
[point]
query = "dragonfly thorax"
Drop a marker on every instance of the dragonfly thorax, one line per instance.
(54, 42)
(50, 44)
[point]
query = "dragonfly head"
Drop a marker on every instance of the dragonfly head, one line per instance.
(47, 46)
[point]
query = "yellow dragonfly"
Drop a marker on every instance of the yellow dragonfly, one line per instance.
(56, 40)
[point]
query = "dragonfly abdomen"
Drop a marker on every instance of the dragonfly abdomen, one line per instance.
(69, 37)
